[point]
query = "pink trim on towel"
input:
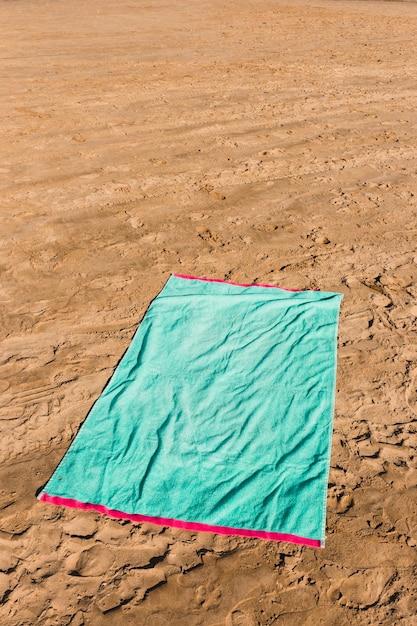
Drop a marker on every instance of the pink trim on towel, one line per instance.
(163, 521)
(229, 282)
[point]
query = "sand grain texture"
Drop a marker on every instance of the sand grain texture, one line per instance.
(271, 142)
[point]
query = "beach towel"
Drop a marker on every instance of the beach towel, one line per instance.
(218, 417)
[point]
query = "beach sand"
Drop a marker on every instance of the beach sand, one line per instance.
(270, 142)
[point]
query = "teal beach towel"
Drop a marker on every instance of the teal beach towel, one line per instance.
(218, 417)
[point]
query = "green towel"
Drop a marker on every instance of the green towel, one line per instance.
(218, 417)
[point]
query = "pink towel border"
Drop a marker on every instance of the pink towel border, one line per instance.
(163, 521)
(229, 282)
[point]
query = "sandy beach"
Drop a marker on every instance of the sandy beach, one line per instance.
(269, 142)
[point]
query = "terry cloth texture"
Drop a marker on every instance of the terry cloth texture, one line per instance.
(218, 417)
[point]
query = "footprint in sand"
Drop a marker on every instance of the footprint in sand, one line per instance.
(239, 618)
(209, 236)
(411, 393)
(363, 589)
(208, 596)
(94, 561)
(196, 217)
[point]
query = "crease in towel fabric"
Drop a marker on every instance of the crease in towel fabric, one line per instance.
(218, 418)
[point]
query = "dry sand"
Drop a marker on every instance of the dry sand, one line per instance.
(263, 141)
